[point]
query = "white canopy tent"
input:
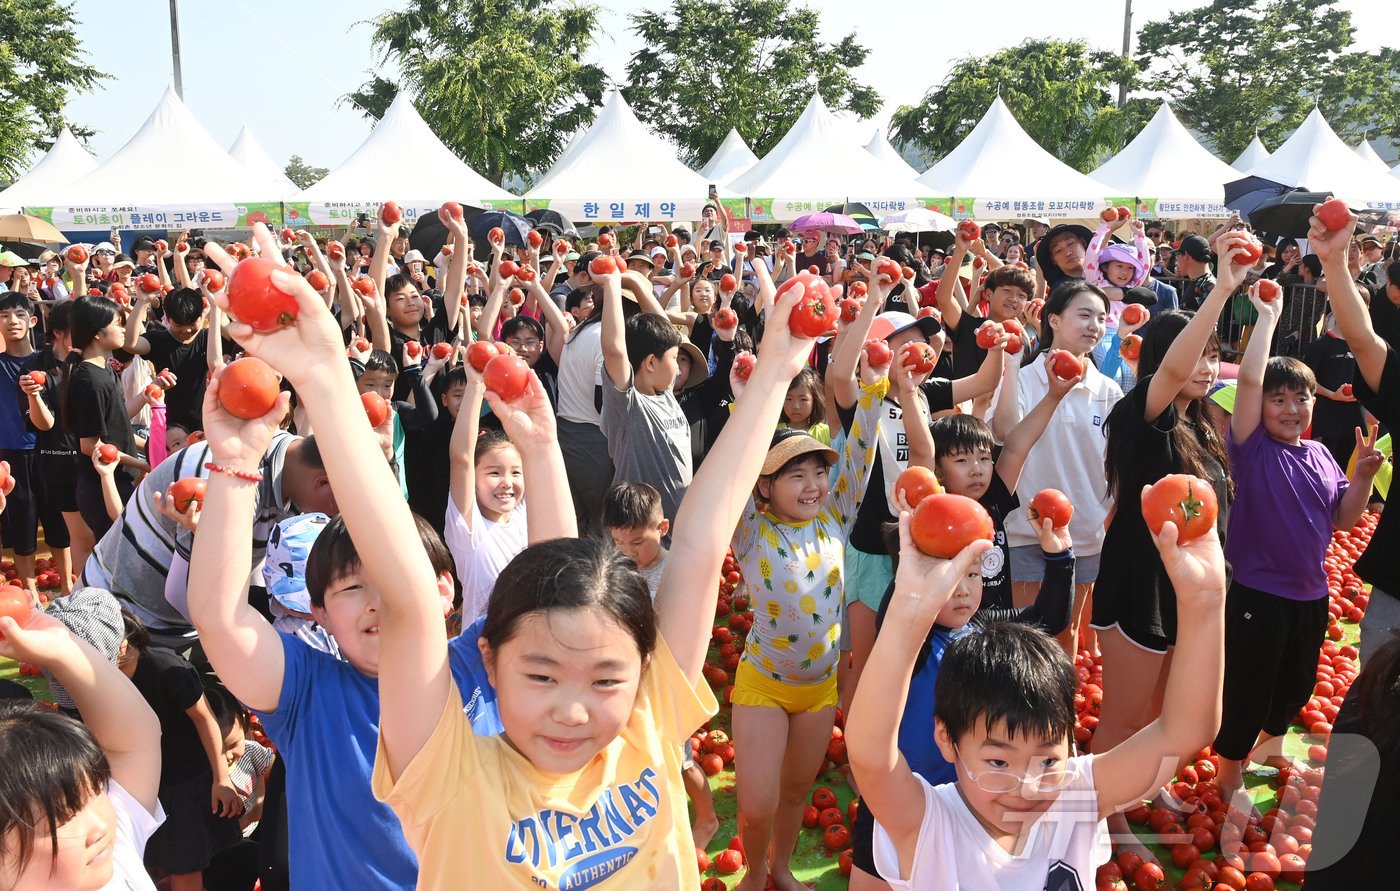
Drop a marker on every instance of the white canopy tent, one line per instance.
(64, 163)
(818, 164)
(998, 172)
(732, 158)
(247, 151)
(619, 171)
(1368, 154)
(1167, 174)
(879, 146)
(140, 186)
(1253, 154)
(401, 161)
(1315, 158)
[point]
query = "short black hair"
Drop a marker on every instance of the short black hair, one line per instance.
(1314, 264)
(631, 506)
(227, 710)
(574, 299)
(335, 556)
(477, 300)
(1010, 676)
(456, 376)
(649, 335)
(184, 306)
(515, 323)
(16, 300)
(1288, 373)
(379, 360)
(960, 435)
(1392, 273)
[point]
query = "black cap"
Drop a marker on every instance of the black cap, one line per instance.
(1195, 247)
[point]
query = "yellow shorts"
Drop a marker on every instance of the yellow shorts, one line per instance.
(752, 687)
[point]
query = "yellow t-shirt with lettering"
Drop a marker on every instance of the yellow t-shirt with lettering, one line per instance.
(478, 814)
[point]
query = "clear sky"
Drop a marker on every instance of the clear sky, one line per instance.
(281, 66)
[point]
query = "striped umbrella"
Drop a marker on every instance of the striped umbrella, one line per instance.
(858, 212)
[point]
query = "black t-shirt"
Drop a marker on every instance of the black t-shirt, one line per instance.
(996, 587)
(1385, 318)
(184, 402)
(1334, 364)
(56, 440)
(170, 685)
(967, 355)
(819, 260)
(1130, 566)
(1378, 566)
(433, 331)
(96, 407)
(428, 469)
(873, 512)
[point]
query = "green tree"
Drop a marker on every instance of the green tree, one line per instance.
(747, 64)
(1061, 92)
(501, 82)
(41, 63)
(302, 173)
(1234, 66)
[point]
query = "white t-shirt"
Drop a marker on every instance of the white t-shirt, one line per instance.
(1068, 456)
(1062, 853)
(580, 373)
(135, 826)
(481, 552)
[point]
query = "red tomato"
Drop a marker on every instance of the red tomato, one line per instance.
(1345, 389)
(507, 268)
(687, 270)
(1134, 314)
(107, 453)
(148, 284)
(727, 283)
(507, 376)
(845, 862)
(182, 247)
(1052, 503)
(605, 241)
(969, 230)
(1109, 215)
(878, 353)
(850, 309)
(40, 377)
(858, 289)
(364, 286)
(376, 408)
(1268, 290)
(1184, 500)
(390, 213)
(987, 334)
(743, 365)
(823, 798)
(288, 236)
(413, 348)
(447, 250)
(601, 265)
(248, 388)
(481, 352)
(186, 491)
(739, 248)
(117, 293)
(77, 254)
(1017, 335)
(815, 314)
(534, 238)
(335, 250)
(497, 235)
(1131, 347)
(1252, 249)
(836, 838)
(929, 312)
(944, 524)
(830, 817)
(917, 483)
(239, 251)
(1065, 365)
(1148, 877)
(918, 357)
(317, 280)
(162, 244)
(726, 320)
(1258, 881)
(452, 209)
(255, 301)
(442, 350)
(887, 270)
(1122, 212)
(14, 602)
(673, 241)
(1333, 214)
(907, 272)
(154, 392)
(729, 860)
(714, 883)
(516, 296)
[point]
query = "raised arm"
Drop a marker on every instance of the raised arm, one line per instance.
(182, 272)
(846, 358)
(922, 586)
(918, 434)
(1353, 318)
(462, 449)
(454, 284)
(113, 710)
(615, 363)
(987, 376)
(136, 325)
(1358, 495)
(1249, 392)
(948, 304)
(1191, 706)
(1180, 361)
(318, 262)
(685, 600)
(1018, 443)
(379, 262)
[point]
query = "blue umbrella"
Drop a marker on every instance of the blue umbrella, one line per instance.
(513, 225)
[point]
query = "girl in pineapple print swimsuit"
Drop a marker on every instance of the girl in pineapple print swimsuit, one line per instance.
(792, 550)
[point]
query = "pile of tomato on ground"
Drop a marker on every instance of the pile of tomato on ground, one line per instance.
(1202, 851)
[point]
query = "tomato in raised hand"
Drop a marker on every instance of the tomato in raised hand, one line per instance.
(1131, 347)
(442, 350)
(1185, 500)
(288, 236)
(1052, 504)
(1268, 290)
(481, 352)
(508, 268)
(376, 408)
(41, 377)
(815, 314)
(186, 491)
(727, 283)
(317, 280)
(335, 250)
(944, 524)
(850, 309)
(726, 320)
(917, 483)
(248, 388)
(108, 453)
(888, 271)
(1333, 214)
(148, 284)
(918, 357)
(364, 286)
(452, 209)
(390, 213)
(1065, 365)
(239, 251)
(1134, 314)
(987, 334)
(858, 289)
(255, 301)
(602, 265)
(744, 365)
(76, 254)
(534, 238)
(497, 235)
(969, 230)
(1016, 335)
(877, 352)
(516, 296)
(507, 376)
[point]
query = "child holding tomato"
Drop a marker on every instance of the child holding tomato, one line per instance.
(1163, 426)
(1290, 494)
(1023, 812)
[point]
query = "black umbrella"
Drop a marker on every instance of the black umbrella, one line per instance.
(515, 227)
(551, 221)
(1244, 195)
(858, 212)
(1286, 215)
(429, 235)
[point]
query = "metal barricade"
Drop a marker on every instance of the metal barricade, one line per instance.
(1304, 307)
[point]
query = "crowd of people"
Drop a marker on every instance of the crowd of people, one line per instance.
(357, 655)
